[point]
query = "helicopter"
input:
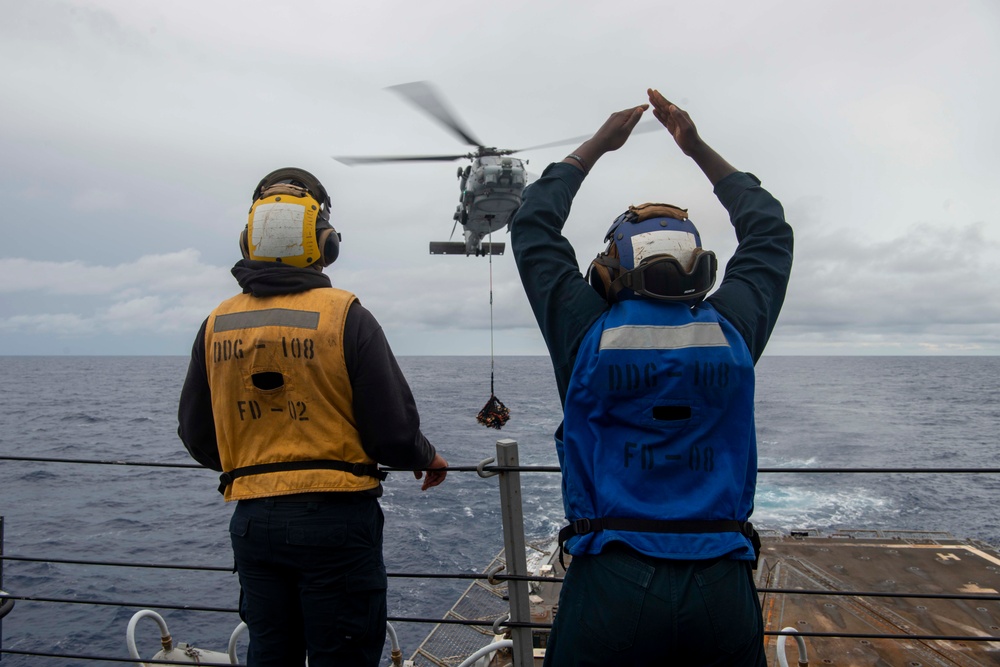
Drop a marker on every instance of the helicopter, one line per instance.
(490, 186)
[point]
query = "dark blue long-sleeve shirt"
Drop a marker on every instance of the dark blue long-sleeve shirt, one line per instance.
(565, 305)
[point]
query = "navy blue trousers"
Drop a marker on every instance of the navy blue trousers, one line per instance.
(622, 608)
(313, 580)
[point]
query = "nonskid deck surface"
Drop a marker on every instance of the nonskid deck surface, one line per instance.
(859, 561)
(882, 562)
(449, 645)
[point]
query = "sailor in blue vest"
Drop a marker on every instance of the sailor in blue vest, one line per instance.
(657, 447)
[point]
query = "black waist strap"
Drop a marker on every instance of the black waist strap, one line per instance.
(584, 526)
(358, 469)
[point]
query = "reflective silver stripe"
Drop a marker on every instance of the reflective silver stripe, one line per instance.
(696, 334)
(272, 317)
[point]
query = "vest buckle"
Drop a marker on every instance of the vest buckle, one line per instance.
(582, 526)
(225, 479)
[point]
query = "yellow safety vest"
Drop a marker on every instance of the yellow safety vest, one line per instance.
(281, 396)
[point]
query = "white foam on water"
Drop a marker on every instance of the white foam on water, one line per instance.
(791, 507)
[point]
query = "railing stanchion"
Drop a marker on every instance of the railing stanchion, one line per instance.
(2, 602)
(514, 551)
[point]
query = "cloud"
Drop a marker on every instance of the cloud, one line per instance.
(174, 292)
(155, 294)
(931, 288)
(176, 272)
(58, 324)
(927, 290)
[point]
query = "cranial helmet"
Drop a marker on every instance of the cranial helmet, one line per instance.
(289, 221)
(653, 251)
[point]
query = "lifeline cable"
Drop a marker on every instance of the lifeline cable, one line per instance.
(780, 470)
(494, 414)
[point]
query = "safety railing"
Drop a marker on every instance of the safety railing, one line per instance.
(517, 625)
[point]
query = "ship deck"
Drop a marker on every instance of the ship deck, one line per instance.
(884, 569)
(856, 597)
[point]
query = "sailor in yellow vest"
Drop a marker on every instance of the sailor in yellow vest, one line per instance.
(295, 397)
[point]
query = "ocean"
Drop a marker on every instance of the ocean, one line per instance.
(812, 412)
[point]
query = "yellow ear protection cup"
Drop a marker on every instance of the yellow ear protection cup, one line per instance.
(289, 221)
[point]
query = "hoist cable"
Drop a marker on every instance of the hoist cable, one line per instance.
(494, 414)
(491, 311)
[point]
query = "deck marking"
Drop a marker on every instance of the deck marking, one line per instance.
(985, 556)
(973, 587)
(976, 632)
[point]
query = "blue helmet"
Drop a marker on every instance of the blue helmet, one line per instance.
(654, 251)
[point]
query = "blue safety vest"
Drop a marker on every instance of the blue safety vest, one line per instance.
(659, 425)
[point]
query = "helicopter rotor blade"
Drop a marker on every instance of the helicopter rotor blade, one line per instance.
(425, 97)
(640, 128)
(376, 159)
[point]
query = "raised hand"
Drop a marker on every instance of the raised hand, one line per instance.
(611, 136)
(681, 127)
(615, 131)
(677, 121)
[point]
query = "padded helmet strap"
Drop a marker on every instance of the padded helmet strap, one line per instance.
(308, 181)
(285, 189)
(603, 271)
(657, 210)
(244, 246)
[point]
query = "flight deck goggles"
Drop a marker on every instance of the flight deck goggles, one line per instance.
(663, 277)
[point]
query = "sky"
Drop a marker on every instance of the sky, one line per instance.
(132, 134)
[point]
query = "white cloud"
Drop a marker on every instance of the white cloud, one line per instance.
(58, 324)
(931, 289)
(175, 272)
(943, 270)
(153, 295)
